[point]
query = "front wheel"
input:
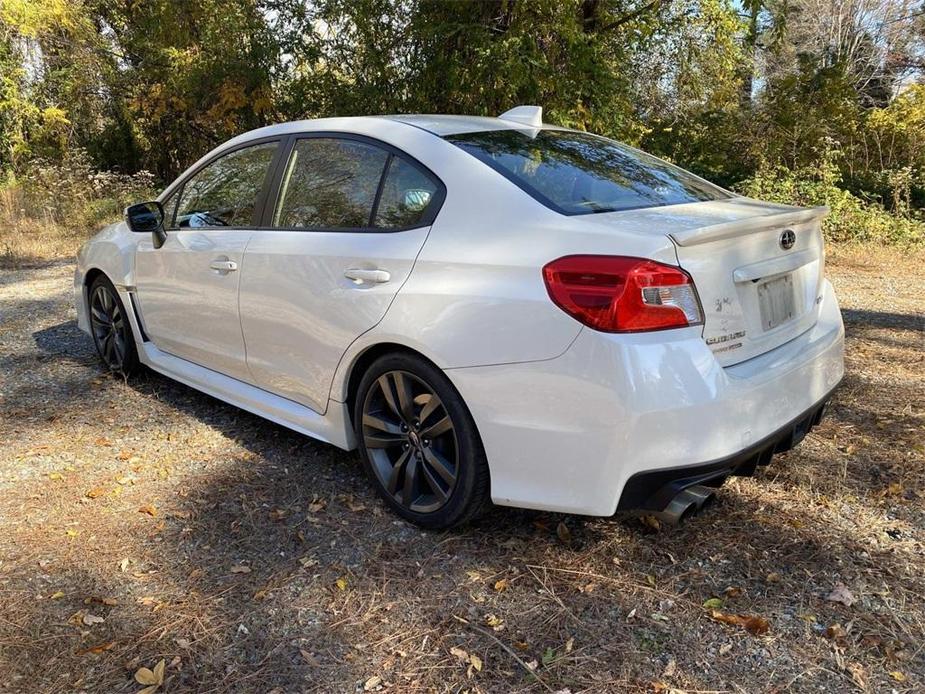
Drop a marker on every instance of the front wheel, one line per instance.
(111, 331)
(419, 443)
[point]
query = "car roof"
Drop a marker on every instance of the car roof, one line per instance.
(442, 125)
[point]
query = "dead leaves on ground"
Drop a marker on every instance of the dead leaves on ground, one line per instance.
(753, 624)
(153, 679)
(472, 660)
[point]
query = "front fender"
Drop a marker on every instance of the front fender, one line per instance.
(112, 252)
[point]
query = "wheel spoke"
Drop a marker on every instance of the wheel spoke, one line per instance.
(405, 398)
(434, 484)
(380, 423)
(120, 347)
(386, 387)
(429, 408)
(440, 465)
(411, 478)
(99, 315)
(108, 349)
(382, 440)
(392, 484)
(441, 427)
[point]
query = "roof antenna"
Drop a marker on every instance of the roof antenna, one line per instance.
(528, 115)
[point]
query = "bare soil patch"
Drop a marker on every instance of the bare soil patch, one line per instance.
(142, 521)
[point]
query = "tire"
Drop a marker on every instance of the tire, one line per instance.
(110, 327)
(424, 457)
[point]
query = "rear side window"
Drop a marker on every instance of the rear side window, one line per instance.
(407, 195)
(225, 192)
(330, 183)
(577, 173)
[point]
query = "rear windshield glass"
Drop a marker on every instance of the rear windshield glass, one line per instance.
(578, 173)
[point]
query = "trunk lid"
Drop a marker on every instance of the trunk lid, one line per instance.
(758, 269)
(756, 292)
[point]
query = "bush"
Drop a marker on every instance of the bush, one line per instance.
(851, 219)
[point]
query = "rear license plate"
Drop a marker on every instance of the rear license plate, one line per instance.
(775, 302)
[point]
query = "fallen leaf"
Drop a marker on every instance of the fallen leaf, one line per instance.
(725, 648)
(99, 648)
(532, 665)
(502, 585)
(103, 441)
(316, 506)
(898, 676)
(713, 603)
(563, 533)
(148, 509)
(495, 622)
(91, 619)
(152, 678)
(123, 565)
(569, 645)
(56, 596)
(57, 476)
(752, 624)
(341, 583)
(549, 655)
(309, 658)
(96, 492)
(372, 683)
(773, 577)
(240, 569)
(184, 643)
(835, 632)
(651, 521)
(858, 674)
(460, 653)
(841, 594)
(476, 662)
(308, 562)
(732, 592)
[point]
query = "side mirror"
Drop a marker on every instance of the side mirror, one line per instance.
(147, 218)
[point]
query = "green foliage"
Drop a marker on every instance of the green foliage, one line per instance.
(819, 183)
(743, 92)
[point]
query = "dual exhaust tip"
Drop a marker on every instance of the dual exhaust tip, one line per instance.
(686, 503)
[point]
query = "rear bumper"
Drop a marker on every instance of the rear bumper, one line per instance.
(616, 418)
(653, 490)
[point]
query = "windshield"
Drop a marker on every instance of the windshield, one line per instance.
(577, 173)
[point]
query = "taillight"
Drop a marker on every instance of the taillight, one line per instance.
(616, 294)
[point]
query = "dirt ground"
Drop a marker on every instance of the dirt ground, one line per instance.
(143, 521)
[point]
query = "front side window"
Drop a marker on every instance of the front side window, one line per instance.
(225, 192)
(330, 183)
(577, 173)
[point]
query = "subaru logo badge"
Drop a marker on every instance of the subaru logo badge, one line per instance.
(787, 239)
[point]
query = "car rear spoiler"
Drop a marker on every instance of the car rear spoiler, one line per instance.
(739, 227)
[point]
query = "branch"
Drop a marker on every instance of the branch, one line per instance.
(631, 16)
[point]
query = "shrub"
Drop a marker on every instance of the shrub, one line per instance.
(851, 219)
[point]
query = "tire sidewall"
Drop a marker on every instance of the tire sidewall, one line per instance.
(471, 456)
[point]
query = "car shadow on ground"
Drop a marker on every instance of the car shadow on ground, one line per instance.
(270, 563)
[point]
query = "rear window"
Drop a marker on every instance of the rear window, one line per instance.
(577, 173)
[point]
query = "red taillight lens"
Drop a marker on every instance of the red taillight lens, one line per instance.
(616, 294)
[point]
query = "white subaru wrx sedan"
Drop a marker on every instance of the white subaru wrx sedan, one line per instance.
(490, 309)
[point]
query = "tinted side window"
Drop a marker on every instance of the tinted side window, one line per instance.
(224, 193)
(407, 193)
(170, 210)
(330, 183)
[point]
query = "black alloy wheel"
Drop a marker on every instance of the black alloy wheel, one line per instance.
(419, 442)
(111, 331)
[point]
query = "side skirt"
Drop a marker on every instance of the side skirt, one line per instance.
(333, 427)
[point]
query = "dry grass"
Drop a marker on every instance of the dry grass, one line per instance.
(140, 502)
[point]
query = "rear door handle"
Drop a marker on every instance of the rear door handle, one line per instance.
(223, 266)
(373, 276)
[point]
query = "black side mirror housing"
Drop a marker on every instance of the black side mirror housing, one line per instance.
(147, 218)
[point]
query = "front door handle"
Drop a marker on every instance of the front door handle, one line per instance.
(223, 266)
(359, 275)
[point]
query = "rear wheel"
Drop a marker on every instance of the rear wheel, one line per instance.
(419, 443)
(111, 331)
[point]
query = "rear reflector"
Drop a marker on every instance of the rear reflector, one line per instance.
(617, 294)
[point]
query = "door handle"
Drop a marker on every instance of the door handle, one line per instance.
(373, 276)
(223, 266)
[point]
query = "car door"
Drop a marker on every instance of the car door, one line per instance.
(188, 288)
(350, 216)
